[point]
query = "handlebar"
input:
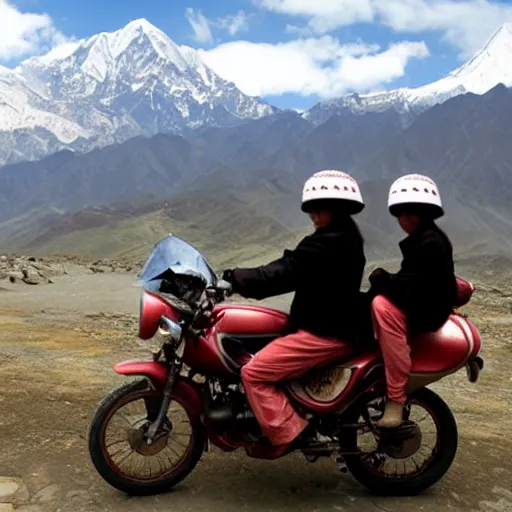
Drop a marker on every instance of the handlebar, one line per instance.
(219, 292)
(212, 295)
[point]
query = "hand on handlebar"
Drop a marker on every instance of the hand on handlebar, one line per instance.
(213, 295)
(219, 292)
(225, 286)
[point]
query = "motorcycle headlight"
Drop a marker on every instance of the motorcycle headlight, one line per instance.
(170, 331)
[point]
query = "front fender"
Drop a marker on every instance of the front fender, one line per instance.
(184, 390)
(154, 371)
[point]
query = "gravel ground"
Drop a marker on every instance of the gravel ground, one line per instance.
(58, 344)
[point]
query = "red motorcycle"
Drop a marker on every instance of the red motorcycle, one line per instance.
(148, 435)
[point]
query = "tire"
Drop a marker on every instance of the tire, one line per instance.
(446, 450)
(123, 483)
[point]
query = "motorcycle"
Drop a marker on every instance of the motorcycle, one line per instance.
(193, 381)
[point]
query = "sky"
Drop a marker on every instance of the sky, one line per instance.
(292, 53)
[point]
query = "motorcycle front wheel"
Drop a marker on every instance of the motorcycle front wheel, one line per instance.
(117, 444)
(402, 468)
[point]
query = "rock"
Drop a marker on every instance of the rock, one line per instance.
(6, 507)
(8, 488)
(30, 276)
(30, 270)
(29, 508)
(28, 280)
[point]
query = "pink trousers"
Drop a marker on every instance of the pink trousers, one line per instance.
(284, 359)
(390, 326)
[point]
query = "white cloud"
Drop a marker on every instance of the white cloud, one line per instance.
(233, 24)
(23, 33)
(323, 15)
(465, 24)
(304, 31)
(320, 66)
(200, 26)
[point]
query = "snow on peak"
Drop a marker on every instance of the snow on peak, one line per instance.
(5, 71)
(101, 50)
(113, 86)
(162, 44)
(58, 53)
(141, 24)
(488, 68)
(99, 53)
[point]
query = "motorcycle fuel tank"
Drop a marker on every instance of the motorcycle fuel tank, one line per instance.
(250, 320)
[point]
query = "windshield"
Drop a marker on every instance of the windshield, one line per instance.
(173, 257)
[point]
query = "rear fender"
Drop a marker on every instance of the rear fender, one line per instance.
(184, 390)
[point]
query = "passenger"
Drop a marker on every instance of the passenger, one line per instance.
(421, 296)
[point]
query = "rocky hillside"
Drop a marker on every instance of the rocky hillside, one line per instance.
(31, 270)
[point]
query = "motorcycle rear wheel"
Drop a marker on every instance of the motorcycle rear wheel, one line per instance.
(109, 470)
(438, 465)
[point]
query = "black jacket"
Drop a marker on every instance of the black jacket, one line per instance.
(425, 286)
(325, 271)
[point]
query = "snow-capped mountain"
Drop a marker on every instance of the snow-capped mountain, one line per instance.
(489, 67)
(137, 81)
(113, 86)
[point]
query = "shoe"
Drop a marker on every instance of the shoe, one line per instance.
(393, 415)
(309, 437)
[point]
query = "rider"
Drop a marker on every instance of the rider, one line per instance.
(420, 297)
(325, 270)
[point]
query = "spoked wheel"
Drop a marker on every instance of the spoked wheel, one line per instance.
(118, 447)
(407, 460)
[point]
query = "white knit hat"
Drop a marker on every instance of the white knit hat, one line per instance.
(332, 185)
(415, 189)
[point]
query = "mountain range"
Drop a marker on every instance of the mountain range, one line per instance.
(136, 81)
(237, 179)
(488, 68)
(260, 166)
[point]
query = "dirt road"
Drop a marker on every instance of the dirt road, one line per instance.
(57, 346)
